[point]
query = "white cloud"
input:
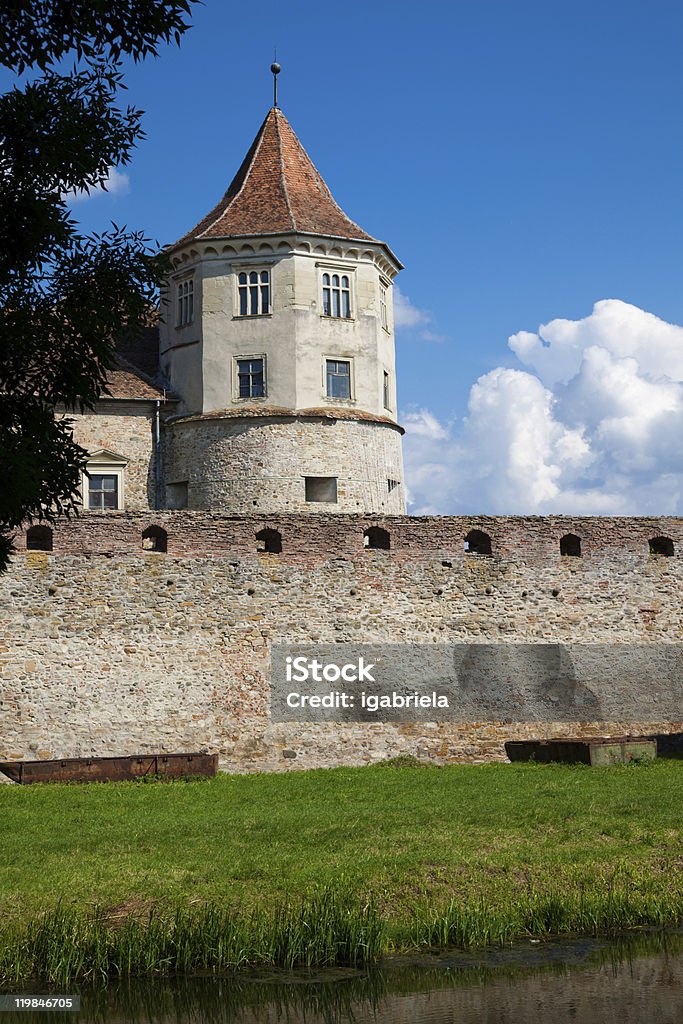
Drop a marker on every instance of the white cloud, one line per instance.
(589, 425)
(423, 423)
(556, 351)
(405, 313)
(117, 183)
(409, 318)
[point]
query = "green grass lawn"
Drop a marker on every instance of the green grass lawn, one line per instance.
(402, 833)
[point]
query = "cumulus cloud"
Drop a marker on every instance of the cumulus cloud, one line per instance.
(590, 424)
(117, 183)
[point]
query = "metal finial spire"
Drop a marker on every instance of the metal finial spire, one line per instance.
(275, 68)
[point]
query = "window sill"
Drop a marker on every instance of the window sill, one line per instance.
(252, 316)
(252, 398)
(339, 319)
(338, 401)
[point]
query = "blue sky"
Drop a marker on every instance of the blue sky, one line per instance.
(524, 162)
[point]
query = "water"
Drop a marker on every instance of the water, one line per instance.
(633, 980)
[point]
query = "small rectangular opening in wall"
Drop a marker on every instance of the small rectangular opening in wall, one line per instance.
(176, 494)
(392, 485)
(321, 488)
(386, 390)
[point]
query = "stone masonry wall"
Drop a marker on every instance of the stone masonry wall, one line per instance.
(127, 432)
(254, 465)
(106, 648)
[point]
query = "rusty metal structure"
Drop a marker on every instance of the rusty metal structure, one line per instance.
(111, 769)
(596, 751)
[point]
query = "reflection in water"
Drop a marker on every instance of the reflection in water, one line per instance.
(631, 980)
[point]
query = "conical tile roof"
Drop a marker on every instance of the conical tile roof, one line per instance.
(277, 189)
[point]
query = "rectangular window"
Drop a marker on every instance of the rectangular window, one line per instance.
(386, 391)
(383, 307)
(393, 484)
(253, 289)
(250, 378)
(103, 491)
(185, 313)
(321, 488)
(338, 378)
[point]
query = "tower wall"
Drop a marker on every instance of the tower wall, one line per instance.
(295, 338)
(277, 337)
(260, 465)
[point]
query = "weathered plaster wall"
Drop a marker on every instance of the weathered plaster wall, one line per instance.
(294, 336)
(108, 649)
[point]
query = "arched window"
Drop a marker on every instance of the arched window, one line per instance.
(39, 538)
(377, 538)
(661, 546)
(570, 545)
(185, 307)
(477, 543)
(336, 296)
(155, 539)
(254, 292)
(269, 540)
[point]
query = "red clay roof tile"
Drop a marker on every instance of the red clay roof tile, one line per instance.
(126, 381)
(277, 189)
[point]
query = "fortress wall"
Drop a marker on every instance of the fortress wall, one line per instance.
(316, 538)
(106, 648)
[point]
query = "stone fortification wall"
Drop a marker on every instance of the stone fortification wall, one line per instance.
(108, 648)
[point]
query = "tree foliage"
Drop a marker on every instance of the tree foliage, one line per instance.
(65, 297)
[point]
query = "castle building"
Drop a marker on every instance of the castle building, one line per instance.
(275, 389)
(268, 393)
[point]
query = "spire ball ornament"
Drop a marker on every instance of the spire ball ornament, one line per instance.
(276, 69)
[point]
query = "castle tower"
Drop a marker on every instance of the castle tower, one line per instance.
(278, 338)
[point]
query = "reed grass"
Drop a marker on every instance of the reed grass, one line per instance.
(326, 928)
(607, 905)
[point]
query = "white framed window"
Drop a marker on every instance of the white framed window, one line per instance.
(386, 390)
(253, 293)
(338, 378)
(103, 482)
(336, 295)
(383, 315)
(249, 376)
(185, 302)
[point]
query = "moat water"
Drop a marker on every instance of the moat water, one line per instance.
(632, 980)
